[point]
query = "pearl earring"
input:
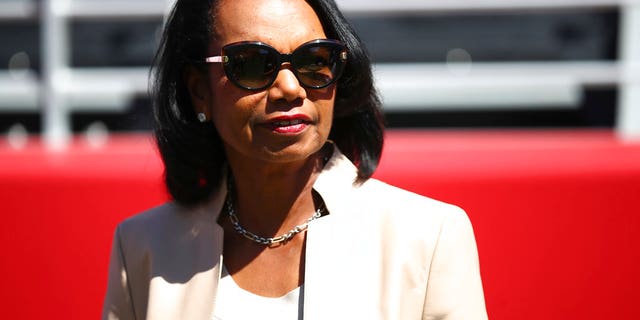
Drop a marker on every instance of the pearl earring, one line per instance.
(202, 117)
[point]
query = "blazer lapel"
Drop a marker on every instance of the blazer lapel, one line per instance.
(340, 273)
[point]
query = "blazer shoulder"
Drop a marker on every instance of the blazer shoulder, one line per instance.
(150, 217)
(171, 215)
(406, 215)
(145, 228)
(166, 224)
(406, 203)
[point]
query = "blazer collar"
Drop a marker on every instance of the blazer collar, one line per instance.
(336, 181)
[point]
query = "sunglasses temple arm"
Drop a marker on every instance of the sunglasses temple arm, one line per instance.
(216, 59)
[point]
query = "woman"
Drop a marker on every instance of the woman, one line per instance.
(268, 157)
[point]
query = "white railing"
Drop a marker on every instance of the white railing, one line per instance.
(628, 121)
(62, 89)
(368, 7)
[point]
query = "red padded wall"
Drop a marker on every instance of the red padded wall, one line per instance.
(555, 215)
(62, 211)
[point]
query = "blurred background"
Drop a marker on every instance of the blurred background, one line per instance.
(524, 112)
(67, 66)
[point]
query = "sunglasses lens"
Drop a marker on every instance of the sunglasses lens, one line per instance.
(318, 65)
(254, 65)
(250, 66)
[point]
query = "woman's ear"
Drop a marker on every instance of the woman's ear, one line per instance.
(198, 86)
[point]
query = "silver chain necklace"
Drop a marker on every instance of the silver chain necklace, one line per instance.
(268, 241)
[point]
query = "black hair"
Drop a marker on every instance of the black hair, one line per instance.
(193, 152)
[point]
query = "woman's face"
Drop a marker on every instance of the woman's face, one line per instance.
(285, 122)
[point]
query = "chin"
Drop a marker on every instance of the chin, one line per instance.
(290, 153)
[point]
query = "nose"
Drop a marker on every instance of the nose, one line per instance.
(286, 87)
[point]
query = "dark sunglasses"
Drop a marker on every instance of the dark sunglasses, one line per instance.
(254, 65)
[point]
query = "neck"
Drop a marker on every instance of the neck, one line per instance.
(270, 199)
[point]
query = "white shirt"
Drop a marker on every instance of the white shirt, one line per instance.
(235, 303)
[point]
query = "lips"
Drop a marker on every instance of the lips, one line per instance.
(288, 124)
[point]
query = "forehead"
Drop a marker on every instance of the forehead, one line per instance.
(277, 22)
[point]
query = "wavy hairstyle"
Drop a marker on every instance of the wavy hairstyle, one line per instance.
(193, 152)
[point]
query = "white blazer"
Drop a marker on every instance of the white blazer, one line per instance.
(380, 253)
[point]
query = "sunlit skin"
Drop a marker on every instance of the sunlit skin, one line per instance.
(274, 166)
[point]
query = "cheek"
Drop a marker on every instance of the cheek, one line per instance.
(327, 116)
(325, 107)
(233, 111)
